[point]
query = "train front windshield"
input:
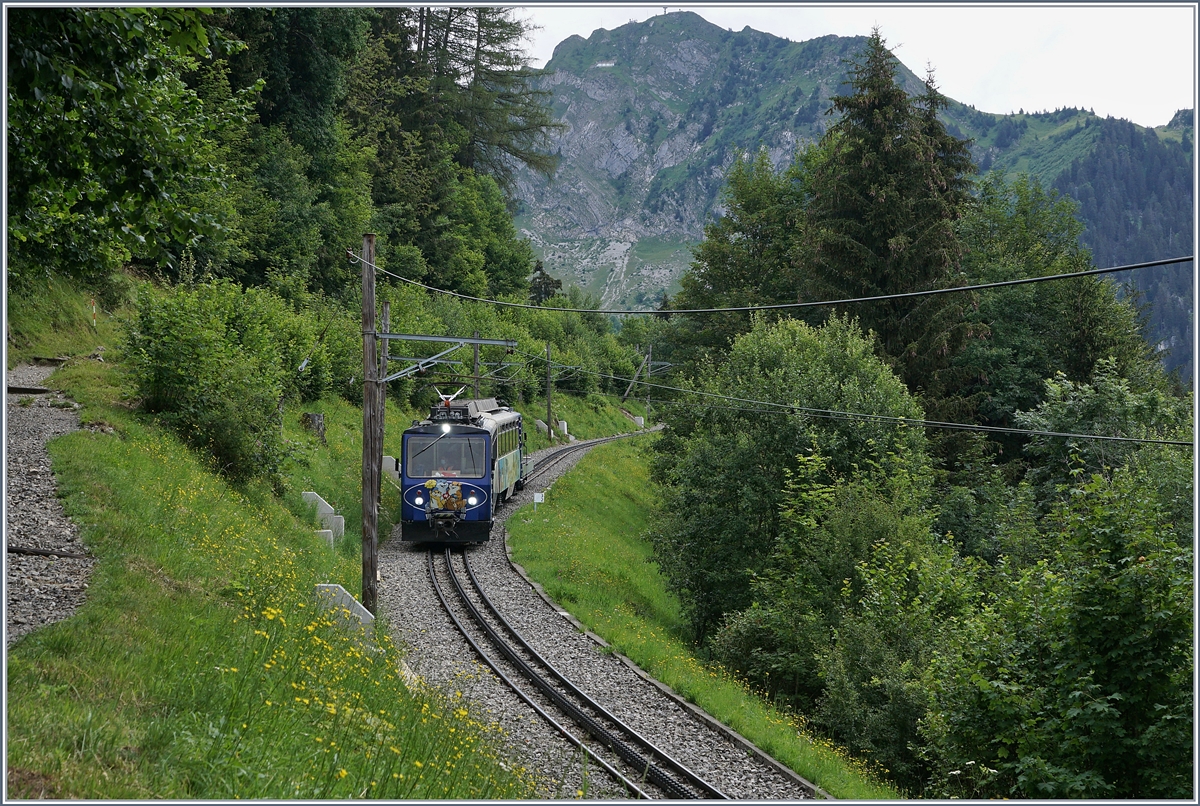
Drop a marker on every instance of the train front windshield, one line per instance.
(447, 456)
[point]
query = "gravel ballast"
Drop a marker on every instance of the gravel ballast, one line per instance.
(39, 589)
(439, 655)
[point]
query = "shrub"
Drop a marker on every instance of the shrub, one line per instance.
(209, 362)
(722, 466)
(1076, 681)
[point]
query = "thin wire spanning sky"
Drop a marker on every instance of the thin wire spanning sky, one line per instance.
(1137, 62)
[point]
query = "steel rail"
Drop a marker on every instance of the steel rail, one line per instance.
(674, 764)
(437, 587)
(628, 754)
(560, 454)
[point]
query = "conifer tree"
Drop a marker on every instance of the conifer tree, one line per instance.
(542, 286)
(880, 217)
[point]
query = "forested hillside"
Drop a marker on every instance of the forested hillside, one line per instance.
(655, 113)
(261, 144)
(234, 158)
(995, 605)
(1135, 199)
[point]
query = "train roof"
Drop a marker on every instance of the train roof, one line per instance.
(464, 410)
(485, 412)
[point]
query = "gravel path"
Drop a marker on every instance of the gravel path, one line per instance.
(441, 656)
(39, 590)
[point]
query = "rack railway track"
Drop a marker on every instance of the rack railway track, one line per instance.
(565, 758)
(638, 765)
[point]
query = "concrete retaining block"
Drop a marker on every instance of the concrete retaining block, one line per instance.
(326, 535)
(323, 506)
(355, 617)
(325, 514)
(391, 466)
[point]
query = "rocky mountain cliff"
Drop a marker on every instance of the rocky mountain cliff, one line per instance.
(655, 113)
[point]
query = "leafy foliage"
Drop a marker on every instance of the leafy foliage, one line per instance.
(101, 138)
(216, 362)
(1075, 681)
(747, 256)
(723, 464)
(1108, 407)
(1029, 333)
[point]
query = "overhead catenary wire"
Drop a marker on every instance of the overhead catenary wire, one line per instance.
(831, 414)
(826, 414)
(789, 305)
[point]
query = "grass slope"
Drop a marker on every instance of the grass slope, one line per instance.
(54, 320)
(584, 547)
(200, 666)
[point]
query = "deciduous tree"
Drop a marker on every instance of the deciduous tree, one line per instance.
(102, 137)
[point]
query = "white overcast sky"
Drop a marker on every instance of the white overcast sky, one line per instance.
(1130, 61)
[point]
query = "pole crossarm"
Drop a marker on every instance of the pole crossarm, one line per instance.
(418, 359)
(421, 365)
(460, 341)
(424, 363)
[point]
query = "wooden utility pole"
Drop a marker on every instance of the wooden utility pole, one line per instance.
(549, 421)
(382, 385)
(476, 365)
(633, 380)
(372, 445)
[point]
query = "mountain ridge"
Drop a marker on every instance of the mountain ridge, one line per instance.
(655, 113)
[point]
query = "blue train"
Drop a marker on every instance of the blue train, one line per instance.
(457, 467)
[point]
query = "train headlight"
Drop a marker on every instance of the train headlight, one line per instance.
(418, 500)
(445, 428)
(472, 500)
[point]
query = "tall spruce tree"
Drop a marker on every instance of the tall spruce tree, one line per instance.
(881, 217)
(480, 91)
(542, 286)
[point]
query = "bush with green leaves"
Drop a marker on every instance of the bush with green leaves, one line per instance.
(722, 463)
(1109, 405)
(103, 137)
(1075, 679)
(895, 609)
(215, 362)
(849, 609)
